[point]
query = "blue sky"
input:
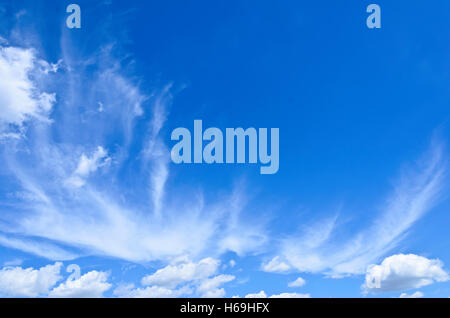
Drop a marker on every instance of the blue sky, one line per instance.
(358, 208)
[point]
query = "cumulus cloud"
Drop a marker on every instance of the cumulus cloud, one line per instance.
(173, 275)
(90, 285)
(182, 278)
(262, 294)
(20, 97)
(28, 282)
(403, 272)
(275, 265)
(299, 282)
(210, 288)
(129, 291)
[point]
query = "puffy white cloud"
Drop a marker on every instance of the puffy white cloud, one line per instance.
(28, 282)
(173, 275)
(276, 265)
(417, 294)
(91, 285)
(299, 282)
(291, 295)
(183, 277)
(209, 288)
(262, 294)
(128, 291)
(20, 98)
(403, 272)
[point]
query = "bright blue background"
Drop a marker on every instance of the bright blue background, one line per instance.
(353, 105)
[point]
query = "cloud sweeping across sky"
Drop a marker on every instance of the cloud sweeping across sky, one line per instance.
(91, 204)
(413, 195)
(71, 207)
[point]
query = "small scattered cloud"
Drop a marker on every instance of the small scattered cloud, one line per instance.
(417, 294)
(88, 165)
(129, 291)
(299, 282)
(262, 294)
(276, 265)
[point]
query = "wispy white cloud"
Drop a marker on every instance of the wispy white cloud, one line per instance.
(42, 249)
(291, 295)
(13, 262)
(210, 288)
(156, 152)
(88, 165)
(416, 192)
(261, 294)
(62, 202)
(238, 234)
